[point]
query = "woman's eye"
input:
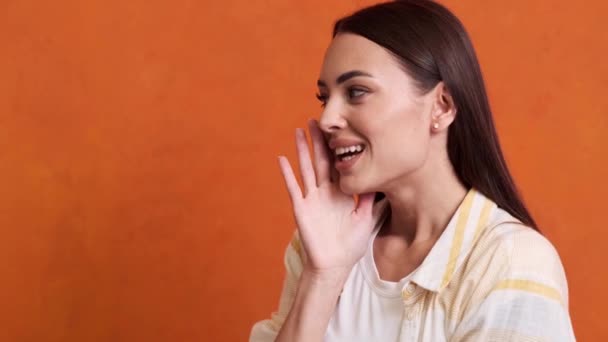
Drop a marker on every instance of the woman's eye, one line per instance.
(322, 98)
(354, 92)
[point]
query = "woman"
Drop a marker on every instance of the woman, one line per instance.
(410, 227)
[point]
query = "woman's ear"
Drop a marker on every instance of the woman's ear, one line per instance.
(444, 109)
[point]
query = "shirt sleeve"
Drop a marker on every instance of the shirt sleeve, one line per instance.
(268, 329)
(528, 302)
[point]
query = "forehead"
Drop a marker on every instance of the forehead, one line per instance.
(349, 51)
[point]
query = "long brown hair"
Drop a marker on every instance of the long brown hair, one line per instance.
(432, 45)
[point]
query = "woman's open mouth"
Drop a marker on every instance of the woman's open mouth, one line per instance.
(346, 157)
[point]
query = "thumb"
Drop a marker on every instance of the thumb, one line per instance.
(380, 209)
(365, 204)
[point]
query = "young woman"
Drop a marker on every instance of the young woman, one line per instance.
(409, 225)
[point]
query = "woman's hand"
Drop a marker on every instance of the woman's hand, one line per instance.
(334, 230)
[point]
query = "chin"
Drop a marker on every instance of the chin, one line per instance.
(350, 186)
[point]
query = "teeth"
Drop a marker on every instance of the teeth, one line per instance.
(354, 148)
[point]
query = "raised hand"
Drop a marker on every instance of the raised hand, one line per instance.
(334, 229)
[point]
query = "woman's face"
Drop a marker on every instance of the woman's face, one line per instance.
(370, 101)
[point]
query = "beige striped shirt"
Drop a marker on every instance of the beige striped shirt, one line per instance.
(487, 278)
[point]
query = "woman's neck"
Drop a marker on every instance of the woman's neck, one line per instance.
(421, 212)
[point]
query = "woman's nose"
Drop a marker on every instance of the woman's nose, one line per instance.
(332, 120)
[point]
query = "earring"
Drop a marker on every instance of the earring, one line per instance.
(436, 125)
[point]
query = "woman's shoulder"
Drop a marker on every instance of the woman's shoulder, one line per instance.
(516, 240)
(512, 283)
(518, 255)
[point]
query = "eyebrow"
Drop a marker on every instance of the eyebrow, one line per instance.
(345, 77)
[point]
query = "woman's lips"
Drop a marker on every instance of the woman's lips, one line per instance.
(347, 165)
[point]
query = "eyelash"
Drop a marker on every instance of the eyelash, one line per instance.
(324, 98)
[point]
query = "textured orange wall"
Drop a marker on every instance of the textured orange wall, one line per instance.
(140, 195)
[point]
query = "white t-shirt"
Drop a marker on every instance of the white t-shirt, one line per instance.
(377, 304)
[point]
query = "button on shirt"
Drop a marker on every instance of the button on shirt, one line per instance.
(487, 278)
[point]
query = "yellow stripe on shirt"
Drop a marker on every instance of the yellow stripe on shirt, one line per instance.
(463, 217)
(297, 246)
(529, 286)
(483, 218)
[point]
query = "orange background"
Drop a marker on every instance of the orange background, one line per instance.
(141, 198)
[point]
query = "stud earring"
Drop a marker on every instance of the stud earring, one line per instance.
(436, 125)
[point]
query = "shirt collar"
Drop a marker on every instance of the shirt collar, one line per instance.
(456, 242)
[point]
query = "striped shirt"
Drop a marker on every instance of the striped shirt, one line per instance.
(487, 278)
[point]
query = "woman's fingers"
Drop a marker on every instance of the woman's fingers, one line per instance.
(321, 153)
(290, 180)
(334, 174)
(308, 173)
